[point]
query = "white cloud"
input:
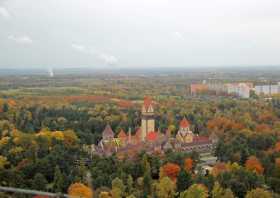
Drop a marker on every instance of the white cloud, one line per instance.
(4, 12)
(78, 47)
(178, 35)
(108, 59)
(21, 39)
(104, 57)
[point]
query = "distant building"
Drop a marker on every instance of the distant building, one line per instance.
(198, 88)
(267, 89)
(241, 90)
(151, 141)
(217, 87)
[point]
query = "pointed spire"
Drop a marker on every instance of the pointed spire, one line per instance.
(129, 135)
(122, 134)
(108, 132)
(147, 102)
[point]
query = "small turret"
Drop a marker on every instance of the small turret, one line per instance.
(108, 133)
(122, 137)
(129, 135)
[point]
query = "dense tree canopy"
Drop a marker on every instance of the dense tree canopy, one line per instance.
(43, 136)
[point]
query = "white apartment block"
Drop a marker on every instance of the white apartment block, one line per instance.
(241, 90)
(267, 89)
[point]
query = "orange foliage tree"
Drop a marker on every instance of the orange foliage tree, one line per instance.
(188, 165)
(220, 125)
(219, 168)
(277, 147)
(253, 164)
(80, 190)
(277, 162)
(263, 128)
(171, 170)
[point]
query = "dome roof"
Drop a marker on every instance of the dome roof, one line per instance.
(152, 136)
(184, 123)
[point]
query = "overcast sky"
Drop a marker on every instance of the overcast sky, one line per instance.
(139, 33)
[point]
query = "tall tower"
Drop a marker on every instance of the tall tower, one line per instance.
(148, 120)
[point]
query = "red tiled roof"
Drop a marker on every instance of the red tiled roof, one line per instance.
(198, 88)
(125, 104)
(184, 123)
(147, 102)
(152, 136)
(122, 134)
(201, 139)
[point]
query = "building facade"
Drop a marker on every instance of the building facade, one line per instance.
(147, 139)
(267, 90)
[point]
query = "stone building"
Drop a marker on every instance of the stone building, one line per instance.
(147, 139)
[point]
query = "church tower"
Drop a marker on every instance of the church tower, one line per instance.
(148, 120)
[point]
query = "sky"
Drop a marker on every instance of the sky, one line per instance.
(139, 33)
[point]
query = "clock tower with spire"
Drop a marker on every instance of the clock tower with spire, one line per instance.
(148, 120)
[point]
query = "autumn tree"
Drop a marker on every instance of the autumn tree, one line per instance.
(104, 195)
(219, 192)
(165, 188)
(258, 193)
(253, 164)
(188, 164)
(70, 138)
(80, 190)
(131, 196)
(171, 170)
(219, 168)
(195, 191)
(3, 162)
(129, 184)
(118, 188)
(221, 125)
(277, 147)
(276, 171)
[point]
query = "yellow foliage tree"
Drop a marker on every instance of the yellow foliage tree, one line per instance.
(195, 191)
(258, 193)
(70, 138)
(104, 195)
(4, 141)
(58, 135)
(3, 162)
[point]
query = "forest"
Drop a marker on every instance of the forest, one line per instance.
(44, 130)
